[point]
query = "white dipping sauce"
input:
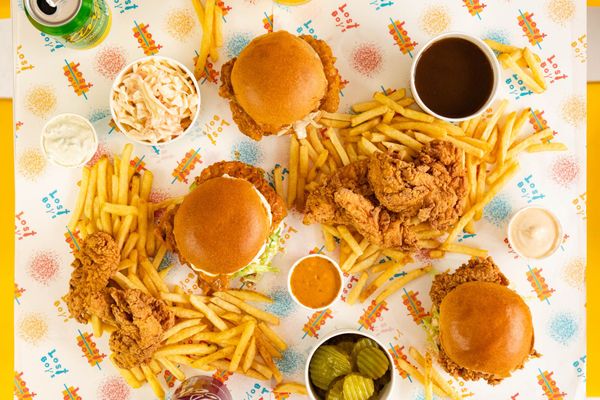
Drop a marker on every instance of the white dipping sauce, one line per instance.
(69, 140)
(534, 232)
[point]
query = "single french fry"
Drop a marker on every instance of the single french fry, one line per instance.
(182, 312)
(366, 263)
(124, 174)
(250, 354)
(335, 140)
(291, 387)
(521, 145)
(242, 345)
(208, 312)
(462, 249)
(247, 308)
(218, 27)
(357, 288)
(153, 274)
(160, 255)
(137, 372)
(433, 130)
(250, 295)
(364, 127)
(367, 147)
(401, 282)
(347, 236)
(90, 192)
(437, 378)
(129, 377)
(507, 60)
(124, 231)
(185, 333)
(267, 358)
(520, 121)
(501, 47)
(381, 279)
(277, 341)
(349, 262)
(172, 368)
(217, 355)
(207, 20)
(401, 137)
(481, 182)
(428, 380)
(154, 383)
(178, 327)
(555, 146)
(278, 180)
(336, 116)
(123, 281)
(293, 170)
(534, 66)
(96, 325)
(334, 123)
(185, 349)
(492, 191)
(302, 174)
(493, 120)
(121, 210)
(505, 137)
(319, 163)
(370, 114)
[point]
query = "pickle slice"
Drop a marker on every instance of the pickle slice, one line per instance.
(336, 391)
(357, 387)
(327, 364)
(362, 344)
(372, 362)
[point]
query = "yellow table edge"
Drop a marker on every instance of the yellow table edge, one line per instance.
(7, 239)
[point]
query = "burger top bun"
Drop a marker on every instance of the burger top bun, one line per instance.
(278, 79)
(486, 327)
(221, 225)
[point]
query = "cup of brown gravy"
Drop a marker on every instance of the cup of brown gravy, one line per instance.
(455, 76)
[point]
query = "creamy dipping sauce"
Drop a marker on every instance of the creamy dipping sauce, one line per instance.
(69, 140)
(534, 232)
(315, 282)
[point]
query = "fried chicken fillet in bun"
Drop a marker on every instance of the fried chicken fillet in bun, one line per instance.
(484, 329)
(279, 82)
(228, 225)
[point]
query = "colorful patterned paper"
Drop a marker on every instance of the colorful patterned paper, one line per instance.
(375, 42)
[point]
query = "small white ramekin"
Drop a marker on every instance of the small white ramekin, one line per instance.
(511, 241)
(118, 80)
(493, 63)
(385, 394)
(338, 269)
(75, 116)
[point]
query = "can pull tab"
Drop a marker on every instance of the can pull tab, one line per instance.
(48, 7)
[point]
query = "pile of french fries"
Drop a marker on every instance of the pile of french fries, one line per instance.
(210, 16)
(221, 331)
(491, 144)
(429, 377)
(519, 60)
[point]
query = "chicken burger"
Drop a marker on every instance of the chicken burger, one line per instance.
(279, 82)
(482, 328)
(228, 225)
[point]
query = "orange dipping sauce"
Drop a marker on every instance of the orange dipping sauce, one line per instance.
(315, 282)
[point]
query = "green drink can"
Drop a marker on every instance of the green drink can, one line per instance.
(79, 24)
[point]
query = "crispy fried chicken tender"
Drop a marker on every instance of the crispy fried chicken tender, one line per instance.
(94, 264)
(383, 197)
(432, 188)
(140, 319)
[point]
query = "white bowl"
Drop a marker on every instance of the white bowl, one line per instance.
(337, 267)
(118, 80)
(74, 116)
(491, 58)
(511, 240)
(385, 394)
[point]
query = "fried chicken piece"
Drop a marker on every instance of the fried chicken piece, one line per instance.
(140, 320)
(476, 270)
(432, 188)
(94, 264)
(255, 130)
(375, 223)
(321, 206)
(331, 101)
(255, 176)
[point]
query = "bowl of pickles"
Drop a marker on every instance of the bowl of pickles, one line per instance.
(349, 365)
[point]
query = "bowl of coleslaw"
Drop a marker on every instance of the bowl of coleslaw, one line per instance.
(155, 100)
